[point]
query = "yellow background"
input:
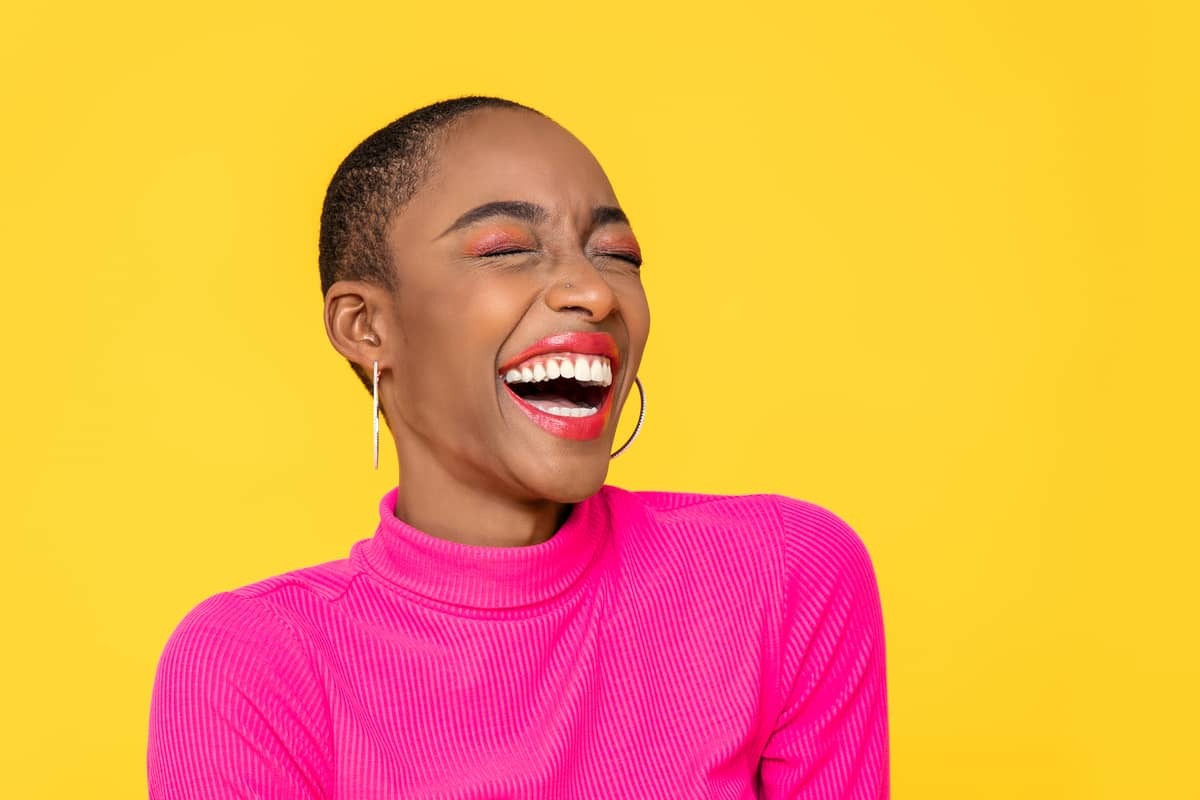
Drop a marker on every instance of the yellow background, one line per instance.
(924, 263)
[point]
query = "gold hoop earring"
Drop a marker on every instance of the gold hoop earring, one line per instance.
(641, 418)
(375, 411)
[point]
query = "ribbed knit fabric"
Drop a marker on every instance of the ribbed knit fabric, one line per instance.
(657, 646)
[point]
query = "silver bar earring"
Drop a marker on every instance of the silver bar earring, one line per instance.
(375, 411)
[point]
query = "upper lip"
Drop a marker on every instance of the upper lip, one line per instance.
(591, 344)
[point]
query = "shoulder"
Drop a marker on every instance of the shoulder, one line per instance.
(225, 633)
(683, 517)
(324, 582)
(828, 575)
(676, 507)
(797, 524)
(261, 620)
(236, 696)
(817, 540)
(809, 542)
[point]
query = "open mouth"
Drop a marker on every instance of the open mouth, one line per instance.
(562, 384)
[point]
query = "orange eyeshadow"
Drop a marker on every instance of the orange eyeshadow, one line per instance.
(618, 243)
(498, 237)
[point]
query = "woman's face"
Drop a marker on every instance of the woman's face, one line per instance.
(519, 318)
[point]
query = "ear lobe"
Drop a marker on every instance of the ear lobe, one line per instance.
(356, 320)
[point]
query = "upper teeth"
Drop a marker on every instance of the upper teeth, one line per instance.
(588, 370)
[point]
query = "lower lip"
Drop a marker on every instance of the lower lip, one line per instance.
(577, 428)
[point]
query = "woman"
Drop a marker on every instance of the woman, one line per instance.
(514, 627)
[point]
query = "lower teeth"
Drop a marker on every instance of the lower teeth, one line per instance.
(558, 411)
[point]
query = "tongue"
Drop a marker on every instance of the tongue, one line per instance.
(546, 400)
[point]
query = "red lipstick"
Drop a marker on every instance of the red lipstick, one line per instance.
(576, 428)
(588, 344)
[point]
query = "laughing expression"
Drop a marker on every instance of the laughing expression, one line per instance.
(519, 311)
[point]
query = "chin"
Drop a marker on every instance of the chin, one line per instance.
(566, 479)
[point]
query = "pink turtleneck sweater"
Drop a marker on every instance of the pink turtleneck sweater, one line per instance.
(657, 646)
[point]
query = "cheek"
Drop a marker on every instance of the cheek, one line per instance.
(453, 336)
(497, 305)
(636, 309)
(466, 314)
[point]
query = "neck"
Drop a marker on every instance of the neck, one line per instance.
(436, 502)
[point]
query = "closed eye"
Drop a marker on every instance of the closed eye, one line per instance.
(633, 259)
(505, 251)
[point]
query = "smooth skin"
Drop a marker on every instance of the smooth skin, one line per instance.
(474, 468)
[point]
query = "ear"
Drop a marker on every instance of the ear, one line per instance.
(358, 320)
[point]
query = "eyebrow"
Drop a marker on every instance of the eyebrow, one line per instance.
(605, 215)
(529, 212)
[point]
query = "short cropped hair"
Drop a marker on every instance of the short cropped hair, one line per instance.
(373, 183)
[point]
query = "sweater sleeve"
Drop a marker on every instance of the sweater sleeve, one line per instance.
(831, 737)
(236, 710)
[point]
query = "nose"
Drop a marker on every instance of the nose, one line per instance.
(582, 288)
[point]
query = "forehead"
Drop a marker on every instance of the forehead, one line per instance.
(508, 154)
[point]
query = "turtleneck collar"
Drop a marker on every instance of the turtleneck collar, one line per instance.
(481, 576)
